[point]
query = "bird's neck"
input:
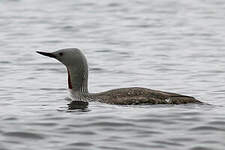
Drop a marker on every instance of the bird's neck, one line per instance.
(78, 81)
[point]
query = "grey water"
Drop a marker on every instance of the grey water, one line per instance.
(170, 45)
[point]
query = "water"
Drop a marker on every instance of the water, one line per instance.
(171, 45)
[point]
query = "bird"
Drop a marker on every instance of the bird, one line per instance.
(77, 69)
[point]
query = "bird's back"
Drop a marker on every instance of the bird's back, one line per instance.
(136, 95)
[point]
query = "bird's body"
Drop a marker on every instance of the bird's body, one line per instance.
(77, 68)
(137, 95)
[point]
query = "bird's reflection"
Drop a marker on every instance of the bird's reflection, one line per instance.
(77, 105)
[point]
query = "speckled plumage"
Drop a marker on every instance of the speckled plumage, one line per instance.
(137, 95)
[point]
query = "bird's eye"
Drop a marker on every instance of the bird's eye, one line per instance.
(60, 54)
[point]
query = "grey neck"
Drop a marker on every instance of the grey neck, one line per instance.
(78, 81)
(78, 76)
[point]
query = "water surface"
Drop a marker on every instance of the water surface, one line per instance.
(171, 45)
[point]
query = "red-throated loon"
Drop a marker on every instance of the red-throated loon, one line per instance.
(77, 69)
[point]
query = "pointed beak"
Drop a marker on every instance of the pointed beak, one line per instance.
(46, 54)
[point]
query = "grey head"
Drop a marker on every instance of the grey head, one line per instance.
(69, 56)
(76, 65)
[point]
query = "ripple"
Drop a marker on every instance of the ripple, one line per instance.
(57, 118)
(112, 148)
(96, 69)
(51, 124)
(222, 123)
(27, 135)
(168, 143)
(201, 148)
(81, 144)
(80, 132)
(183, 139)
(111, 124)
(104, 124)
(53, 89)
(5, 62)
(11, 118)
(154, 120)
(206, 128)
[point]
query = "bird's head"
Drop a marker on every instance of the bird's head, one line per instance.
(76, 65)
(70, 57)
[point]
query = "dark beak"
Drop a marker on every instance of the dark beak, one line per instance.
(46, 54)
